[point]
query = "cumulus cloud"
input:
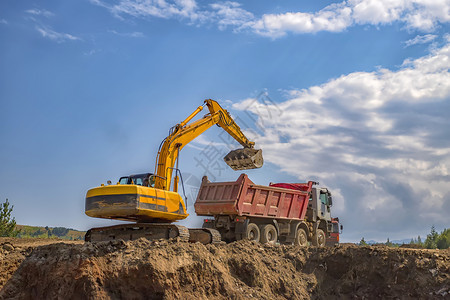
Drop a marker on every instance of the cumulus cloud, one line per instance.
(58, 37)
(380, 140)
(420, 15)
(335, 17)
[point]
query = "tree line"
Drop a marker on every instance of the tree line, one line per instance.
(8, 227)
(434, 240)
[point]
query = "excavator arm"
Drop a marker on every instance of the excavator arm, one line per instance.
(183, 133)
(227, 123)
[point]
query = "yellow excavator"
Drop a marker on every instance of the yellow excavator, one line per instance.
(152, 200)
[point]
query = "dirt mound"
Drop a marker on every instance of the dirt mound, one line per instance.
(14, 250)
(166, 269)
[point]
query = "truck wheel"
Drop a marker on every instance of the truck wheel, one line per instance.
(268, 234)
(319, 238)
(301, 239)
(252, 232)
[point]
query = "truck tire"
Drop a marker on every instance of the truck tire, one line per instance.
(301, 239)
(269, 234)
(319, 238)
(252, 232)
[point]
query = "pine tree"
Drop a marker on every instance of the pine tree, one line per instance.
(7, 224)
(388, 243)
(430, 242)
(419, 240)
(362, 242)
(443, 240)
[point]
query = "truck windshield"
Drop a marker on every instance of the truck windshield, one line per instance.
(335, 227)
(324, 198)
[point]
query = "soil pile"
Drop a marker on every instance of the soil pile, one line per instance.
(145, 269)
(14, 250)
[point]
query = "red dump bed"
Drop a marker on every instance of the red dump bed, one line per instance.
(244, 198)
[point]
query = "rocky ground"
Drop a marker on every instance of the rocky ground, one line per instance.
(51, 269)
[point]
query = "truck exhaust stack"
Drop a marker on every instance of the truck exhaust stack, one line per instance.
(244, 159)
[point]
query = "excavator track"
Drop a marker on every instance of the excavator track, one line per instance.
(204, 235)
(127, 232)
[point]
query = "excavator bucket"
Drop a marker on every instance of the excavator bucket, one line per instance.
(244, 159)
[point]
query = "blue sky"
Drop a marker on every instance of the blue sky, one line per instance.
(354, 94)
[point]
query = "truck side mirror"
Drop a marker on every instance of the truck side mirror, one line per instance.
(330, 200)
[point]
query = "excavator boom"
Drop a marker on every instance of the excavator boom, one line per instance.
(184, 133)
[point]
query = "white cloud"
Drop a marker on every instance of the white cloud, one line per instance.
(335, 17)
(421, 39)
(59, 37)
(135, 34)
(230, 14)
(3, 21)
(40, 12)
(381, 139)
(46, 31)
(92, 52)
(423, 15)
(153, 8)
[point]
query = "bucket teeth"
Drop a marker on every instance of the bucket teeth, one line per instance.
(244, 159)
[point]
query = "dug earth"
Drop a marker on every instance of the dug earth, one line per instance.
(142, 269)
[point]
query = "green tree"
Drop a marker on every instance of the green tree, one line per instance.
(60, 231)
(7, 224)
(443, 240)
(430, 242)
(419, 240)
(388, 243)
(362, 242)
(36, 233)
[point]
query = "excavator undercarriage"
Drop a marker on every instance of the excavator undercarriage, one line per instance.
(153, 231)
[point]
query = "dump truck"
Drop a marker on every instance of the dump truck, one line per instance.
(298, 213)
(151, 201)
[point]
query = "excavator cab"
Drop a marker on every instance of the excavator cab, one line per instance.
(145, 179)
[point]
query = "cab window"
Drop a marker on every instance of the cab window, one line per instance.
(123, 180)
(324, 199)
(137, 181)
(335, 227)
